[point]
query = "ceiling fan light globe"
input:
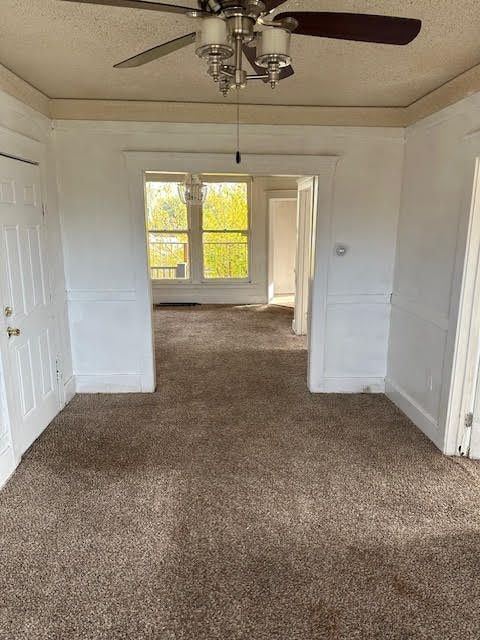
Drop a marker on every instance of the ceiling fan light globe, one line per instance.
(213, 39)
(212, 31)
(273, 46)
(274, 40)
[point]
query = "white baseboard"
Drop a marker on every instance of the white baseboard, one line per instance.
(69, 389)
(349, 385)
(8, 464)
(108, 383)
(420, 418)
(207, 294)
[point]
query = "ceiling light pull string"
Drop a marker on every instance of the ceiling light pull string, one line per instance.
(238, 156)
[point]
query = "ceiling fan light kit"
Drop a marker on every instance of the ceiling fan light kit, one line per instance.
(221, 38)
(230, 30)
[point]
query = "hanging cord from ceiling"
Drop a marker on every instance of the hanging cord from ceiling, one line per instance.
(238, 156)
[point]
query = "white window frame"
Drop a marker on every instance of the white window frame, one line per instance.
(159, 177)
(195, 232)
(233, 179)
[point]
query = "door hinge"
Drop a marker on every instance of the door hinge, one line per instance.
(469, 419)
(44, 210)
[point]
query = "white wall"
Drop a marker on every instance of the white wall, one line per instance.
(99, 252)
(27, 134)
(283, 224)
(437, 183)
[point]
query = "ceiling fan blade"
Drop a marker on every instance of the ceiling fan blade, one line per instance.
(362, 27)
(286, 72)
(251, 55)
(145, 4)
(157, 52)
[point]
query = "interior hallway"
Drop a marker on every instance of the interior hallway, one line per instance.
(232, 504)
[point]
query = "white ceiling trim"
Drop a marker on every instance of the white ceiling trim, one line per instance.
(113, 110)
(453, 91)
(14, 85)
(448, 94)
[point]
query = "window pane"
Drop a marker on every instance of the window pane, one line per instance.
(165, 210)
(226, 206)
(169, 256)
(225, 255)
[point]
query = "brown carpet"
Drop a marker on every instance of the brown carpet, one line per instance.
(234, 505)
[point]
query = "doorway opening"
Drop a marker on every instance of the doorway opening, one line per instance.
(282, 248)
(141, 163)
(246, 241)
(291, 253)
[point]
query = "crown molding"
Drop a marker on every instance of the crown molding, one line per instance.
(14, 85)
(453, 91)
(201, 112)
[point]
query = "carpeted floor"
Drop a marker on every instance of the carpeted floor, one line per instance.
(233, 505)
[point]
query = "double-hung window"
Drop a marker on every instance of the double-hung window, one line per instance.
(225, 231)
(199, 243)
(168, 232)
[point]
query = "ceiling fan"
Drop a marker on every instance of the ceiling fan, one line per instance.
(229, 29)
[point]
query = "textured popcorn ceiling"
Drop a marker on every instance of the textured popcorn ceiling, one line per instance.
(68, 50)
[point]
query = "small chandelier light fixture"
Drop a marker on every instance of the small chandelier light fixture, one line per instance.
(192, 191)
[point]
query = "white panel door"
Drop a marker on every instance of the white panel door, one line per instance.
(28, 322)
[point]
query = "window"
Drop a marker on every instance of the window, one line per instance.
(198, 243)
(225, 233)
(168, 232)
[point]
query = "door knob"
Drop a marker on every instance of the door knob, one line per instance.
(8, 311)
(11, 331)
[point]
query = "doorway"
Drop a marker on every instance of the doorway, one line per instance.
(256, 165)
(28, 337)
(282, 248)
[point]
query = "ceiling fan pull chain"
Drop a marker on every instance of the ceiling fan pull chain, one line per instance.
(238, 156)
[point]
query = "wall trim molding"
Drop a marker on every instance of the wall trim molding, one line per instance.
(223, 132)
(448, 94)
(249, 294)
(420, 418)
(24, 92)
(69, 390)
(358, 298)
(358, 384)
(108, 383)
(417, 309)
(225, 113)
(453, 91)
(100, 295)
